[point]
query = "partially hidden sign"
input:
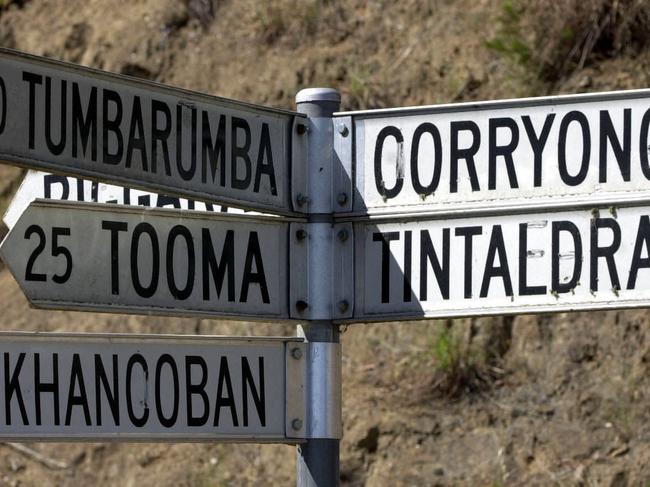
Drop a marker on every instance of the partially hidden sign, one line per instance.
(68, 119)
(98, 257)
(63, 387)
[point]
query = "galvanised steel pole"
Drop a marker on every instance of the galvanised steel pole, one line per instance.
(317, 462)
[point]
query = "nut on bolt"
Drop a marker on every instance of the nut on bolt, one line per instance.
(301, 305)
(301, 128)
(296, 353)
(301, 234)
(296, 424)
(302, 200)
(342, 198)
(342, 235)
(343, 130)
(343, 305)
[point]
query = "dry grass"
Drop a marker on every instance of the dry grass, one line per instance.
(552, 39)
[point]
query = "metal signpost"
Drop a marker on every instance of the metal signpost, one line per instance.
(104, 387)
(95, 257)
(64, 118)
(521, 206)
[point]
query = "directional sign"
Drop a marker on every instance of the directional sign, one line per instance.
(99, 257)
(64, 118)
(492, 265)
(51, 186)
(533, 152)
(150, 388)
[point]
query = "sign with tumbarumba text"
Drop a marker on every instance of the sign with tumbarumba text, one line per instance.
(558, 260)
(560, 151)
(150, 388)
(97, 257)
(65, 118)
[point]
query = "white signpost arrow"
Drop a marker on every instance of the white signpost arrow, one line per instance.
(62, 387)
(40, 185)
(68, 119)
(99, 257)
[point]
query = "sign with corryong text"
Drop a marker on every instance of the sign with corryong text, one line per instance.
(98, 257)
(145, 387)
(68, 119)
(530, 153)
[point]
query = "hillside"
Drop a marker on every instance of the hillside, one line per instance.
(528, 400)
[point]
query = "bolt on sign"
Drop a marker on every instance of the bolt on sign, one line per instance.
(65, 118)
(99, 257)
(152, 387)
(556, 260)
(535, 152)
(38, 185)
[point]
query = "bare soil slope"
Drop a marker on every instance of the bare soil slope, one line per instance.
(530, 400)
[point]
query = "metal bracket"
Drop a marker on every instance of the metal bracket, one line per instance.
(299, 152)
(342, 182)
(321, 263)
(296, 359)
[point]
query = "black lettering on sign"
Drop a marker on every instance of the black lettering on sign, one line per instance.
(145, 291)
(253, 256)
(84, 126)
(606, 252)
(431, 129)
(622, 152)
(55, 148)
(114, 228)
(112, 125)
(496, 248)
(81, 399)
(197, 389)
(137, 140)
(227, 400)
(12, 386)
(644, 144)
(385, 239)
(467, 154)
(166, 421)
(33, 80)
(160, 135)
(408, 266)
(265, 154)
(186, 174)
(101, 382)
(165, 200)
(218, 269)
(248, 385)
(133, 360)
(537, 143)
(468, 233)
(61, 250)
(213, 152)
(428, 255)
(384, 133)
(524, 288)
(3, 105)
(556, 283)
(50, 387)
(174, 233)
(240, 152)
(505, 151)
(581, 119)
(49, 180)
(30, 275)
(642, 242)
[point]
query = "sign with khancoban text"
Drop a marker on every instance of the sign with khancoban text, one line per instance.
(68, 119)
(535, 152)
(91, 256)
(150, 388)
(558, 260)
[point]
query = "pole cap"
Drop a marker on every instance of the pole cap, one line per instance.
(311, 95)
